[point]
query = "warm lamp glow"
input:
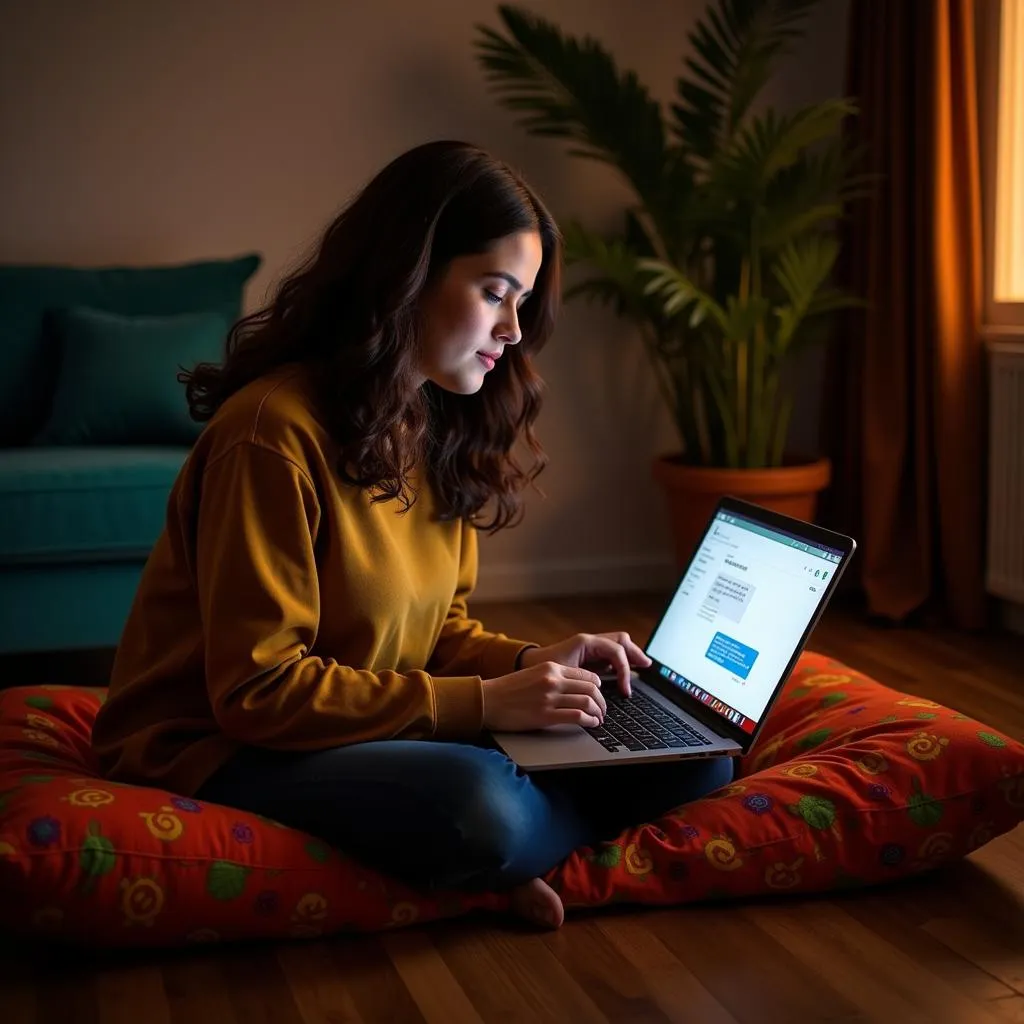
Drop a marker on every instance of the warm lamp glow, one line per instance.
(1009, 254)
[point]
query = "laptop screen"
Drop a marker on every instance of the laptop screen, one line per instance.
(739, 613)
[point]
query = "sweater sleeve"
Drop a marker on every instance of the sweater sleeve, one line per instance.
(258, 592)
(463, 645)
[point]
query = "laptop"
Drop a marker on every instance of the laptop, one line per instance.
(725, 643)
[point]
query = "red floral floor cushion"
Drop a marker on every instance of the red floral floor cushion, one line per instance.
(849, 784)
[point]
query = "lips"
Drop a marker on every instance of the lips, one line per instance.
(487, 360)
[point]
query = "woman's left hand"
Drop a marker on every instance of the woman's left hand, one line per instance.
(590, 650)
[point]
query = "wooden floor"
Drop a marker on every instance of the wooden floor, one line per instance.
(945, 948)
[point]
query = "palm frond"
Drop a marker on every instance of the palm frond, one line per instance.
(809, 193)
(801, 269)
(743, 316)
(618, 281)
(771, 143)
(569, 88)
(831, 300)
(676, 292)
(736, 46)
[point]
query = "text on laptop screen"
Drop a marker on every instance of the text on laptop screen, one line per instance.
(739, 613)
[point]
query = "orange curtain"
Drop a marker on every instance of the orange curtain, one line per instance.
(907, 431)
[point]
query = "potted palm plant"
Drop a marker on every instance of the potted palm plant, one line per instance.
(727, 250)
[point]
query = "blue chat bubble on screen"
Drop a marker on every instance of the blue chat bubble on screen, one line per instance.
(731, 654)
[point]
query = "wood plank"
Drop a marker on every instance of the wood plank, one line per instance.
(68, 996)
(890, 922)
(1000, 864)
(994, 951)
(545, 983)
(439, 997)
(674, 987)
(753, 977)
(608, 977)
(1009, 1011)
(484, 975)
(257, 986)
(121, 992)
(320, 997)
(880, 980)
(363, 968)
(195, 989)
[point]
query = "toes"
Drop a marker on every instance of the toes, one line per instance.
(538, 903)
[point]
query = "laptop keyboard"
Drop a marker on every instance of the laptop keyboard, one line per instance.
(639, 723)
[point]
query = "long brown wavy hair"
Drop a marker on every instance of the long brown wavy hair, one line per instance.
(351, 311)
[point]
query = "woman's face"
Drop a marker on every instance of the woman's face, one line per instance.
(470, 314)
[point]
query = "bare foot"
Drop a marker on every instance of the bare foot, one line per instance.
(537, 902)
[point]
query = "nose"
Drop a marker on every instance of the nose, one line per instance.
(507, 329)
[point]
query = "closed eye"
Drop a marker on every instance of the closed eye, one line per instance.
(494, 299)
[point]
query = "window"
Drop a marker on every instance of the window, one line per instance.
(1001, 89)
(1008, 255)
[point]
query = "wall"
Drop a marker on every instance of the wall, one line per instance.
(165, 131)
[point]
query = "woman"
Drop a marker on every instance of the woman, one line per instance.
(299, 645)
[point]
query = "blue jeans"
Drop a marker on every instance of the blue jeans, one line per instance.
(453, 815)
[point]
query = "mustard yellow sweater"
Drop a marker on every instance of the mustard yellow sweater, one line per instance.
(281, 608)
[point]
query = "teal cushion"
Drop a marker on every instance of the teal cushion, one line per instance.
(118, 383)
(61, 505)
(65, 607)
(28, 360)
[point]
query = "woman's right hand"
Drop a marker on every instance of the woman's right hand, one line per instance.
(542, 695)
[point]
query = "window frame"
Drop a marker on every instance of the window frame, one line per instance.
(1002, 320)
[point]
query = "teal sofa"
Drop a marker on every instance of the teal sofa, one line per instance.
(94, 428)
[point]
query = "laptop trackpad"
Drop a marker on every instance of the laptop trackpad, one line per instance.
(557, 746)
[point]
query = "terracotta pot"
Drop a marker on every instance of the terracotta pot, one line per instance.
(693, 492)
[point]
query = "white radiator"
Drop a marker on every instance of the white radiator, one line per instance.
(1005, 564)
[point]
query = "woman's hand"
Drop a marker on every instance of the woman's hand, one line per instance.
(600, 649)
(541, 695)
